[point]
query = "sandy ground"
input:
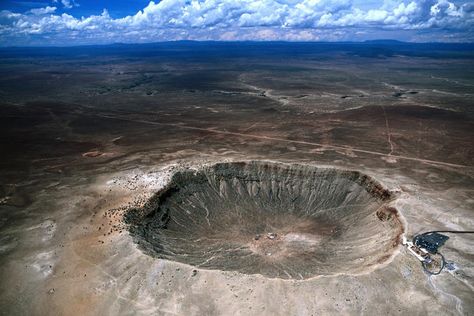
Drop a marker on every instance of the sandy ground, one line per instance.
(80, 260)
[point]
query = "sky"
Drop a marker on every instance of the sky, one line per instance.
(80, 22)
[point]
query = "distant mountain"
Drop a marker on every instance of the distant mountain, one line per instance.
(387, 42)
(205, 50)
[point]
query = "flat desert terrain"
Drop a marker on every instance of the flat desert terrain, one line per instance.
(235, 179)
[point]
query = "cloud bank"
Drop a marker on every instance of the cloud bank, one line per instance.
(297, 20)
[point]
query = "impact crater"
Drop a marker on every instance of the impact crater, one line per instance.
(286, 221)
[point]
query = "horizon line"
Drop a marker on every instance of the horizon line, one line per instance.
(374, 41)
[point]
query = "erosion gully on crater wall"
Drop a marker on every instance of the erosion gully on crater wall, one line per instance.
(278, 220)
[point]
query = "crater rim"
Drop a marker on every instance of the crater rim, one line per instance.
(385, 214)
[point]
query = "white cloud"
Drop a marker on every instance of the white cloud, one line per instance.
(238, 19)
(45, 10)
(68, 4)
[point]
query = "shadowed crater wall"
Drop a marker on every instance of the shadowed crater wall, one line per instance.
(277, 220)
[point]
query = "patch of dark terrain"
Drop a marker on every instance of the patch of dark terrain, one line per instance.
(417, 131)
(403, 94)
(38, 131)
